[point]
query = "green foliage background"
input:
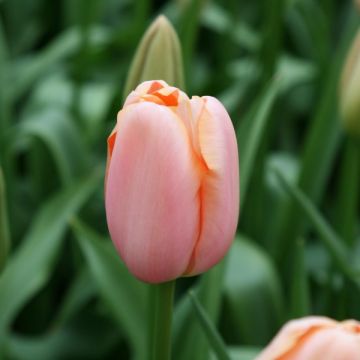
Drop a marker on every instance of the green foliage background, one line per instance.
(64, 292)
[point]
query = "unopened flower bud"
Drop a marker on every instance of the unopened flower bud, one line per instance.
(158, 56)
(350, 89)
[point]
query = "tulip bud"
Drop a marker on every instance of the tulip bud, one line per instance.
(315, 338)
(158, 56)
(357, 4)
(172, 180)
(4, 229)
(350, 89)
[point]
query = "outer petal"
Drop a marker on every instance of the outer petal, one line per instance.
(220, 186)
(151, 193)
(292, 335)
(334, 343)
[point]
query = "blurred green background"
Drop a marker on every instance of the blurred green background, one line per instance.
(64, 293)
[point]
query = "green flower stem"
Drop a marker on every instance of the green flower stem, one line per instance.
(162, 301)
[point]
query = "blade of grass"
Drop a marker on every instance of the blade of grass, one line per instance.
(209, 329)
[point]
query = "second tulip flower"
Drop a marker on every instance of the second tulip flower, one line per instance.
(172, 183)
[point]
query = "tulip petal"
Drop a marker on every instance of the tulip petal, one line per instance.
(110, 146)
(156, 91)
(152, 193)
(293, 334)
(330, 343)
(220, 184)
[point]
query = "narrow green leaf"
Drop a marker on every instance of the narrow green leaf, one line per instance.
(209, 329)
(88, 335)
(331, 241)
(54, 127)
(319, 150)
(189, 340)
(4, 225)
(349, 191)
(124, 295)
(300, 297)
(23, 23)
(25, 73)
(251, 131)
(30, 266)
(188, 28)
(80, 292)
(4, 106)
(242, 353)
(253, 306)
(141, 14)
(272, 36)
(95, 103)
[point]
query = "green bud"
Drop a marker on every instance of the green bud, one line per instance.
(158, 57)
(350, 89)
(4, 229)
(357, 4)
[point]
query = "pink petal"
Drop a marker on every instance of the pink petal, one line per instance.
(152, 193)
(329, 343)
(291, 334)
(220, 184)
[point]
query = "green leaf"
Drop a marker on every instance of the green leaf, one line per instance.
(54, 127)
(23, 23)
(4, 225)
(319, 150)
(4, 105)
(188, 339)
(347, 214)
(295, 72)
(188, 28)
(30, 266)
(250, 133)
(95, 102)
(331, 241)
(241, 353)
(300, 297)
(276, 195)
(25, 73)
(209, 329)
(89, 335)
(124, 295)
(80, 292)
(253, 302)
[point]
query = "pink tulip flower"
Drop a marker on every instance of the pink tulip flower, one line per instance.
(315, 338)
(172, 183)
